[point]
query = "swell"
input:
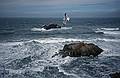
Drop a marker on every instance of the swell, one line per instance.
(110, 31)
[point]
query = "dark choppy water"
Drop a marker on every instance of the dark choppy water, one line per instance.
(26, 48)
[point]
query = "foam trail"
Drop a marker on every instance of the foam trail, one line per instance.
(114, 31)
(19, 71)
(65, 28)
(11, 43)
(107, 40)
(61, 70)
(108, 54)
(57, 40)
(108, 29)
(37, 29)
(109, 32)
(42, 29)
(40, 68)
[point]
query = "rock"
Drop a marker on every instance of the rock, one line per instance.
(80, 49)
(51, 26)
(115, 75)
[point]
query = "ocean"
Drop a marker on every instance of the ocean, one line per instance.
(26, 49)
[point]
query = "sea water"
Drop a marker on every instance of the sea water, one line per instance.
(26, 49)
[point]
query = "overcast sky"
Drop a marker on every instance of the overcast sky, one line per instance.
(56, 8)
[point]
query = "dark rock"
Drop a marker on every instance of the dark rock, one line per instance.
(80, 49)
(99, 32)
(51, 26)
(115, 75)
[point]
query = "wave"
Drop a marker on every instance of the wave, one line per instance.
(37, 29)
(42, 29)
(108, 29)
(108, 32)
(57, 40)
(43, 40)
(7, 32)
(15, 71)
(11, 43)
(65, 28)
(35, 56)
(107, 40)
(62, 40)
(68, 74)
(110, 54)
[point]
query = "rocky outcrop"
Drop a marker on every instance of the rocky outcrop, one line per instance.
(115, 75)
(80, 49)
(51, 26)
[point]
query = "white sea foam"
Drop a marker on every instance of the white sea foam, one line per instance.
(110, 54)
(18, 71)
(37, 29)
(42, 29)
(11, 43)
(108, 29)
(57, 40)
(108, 32)
(107, 40)
(65, 28)
(66, 73)
(114, 31)
(40, 68)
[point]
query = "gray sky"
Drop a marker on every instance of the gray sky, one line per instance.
(56, 8)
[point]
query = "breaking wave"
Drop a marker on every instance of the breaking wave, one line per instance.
(58, 40)
(108, 32)
(35, 56)
(42, 29)
(107, 40)
(108, 29)
(114, 31)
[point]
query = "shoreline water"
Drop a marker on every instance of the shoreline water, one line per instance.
(27, 52)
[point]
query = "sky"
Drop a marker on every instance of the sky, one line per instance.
(57, 8)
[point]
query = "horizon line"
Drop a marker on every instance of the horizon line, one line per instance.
(53, 17)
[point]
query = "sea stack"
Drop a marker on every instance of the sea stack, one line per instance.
(80, 49)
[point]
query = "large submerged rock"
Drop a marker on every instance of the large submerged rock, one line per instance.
(80, 49)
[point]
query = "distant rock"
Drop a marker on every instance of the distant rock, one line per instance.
(51, 26)
(99, 32)
(80, 49)
(115, 75)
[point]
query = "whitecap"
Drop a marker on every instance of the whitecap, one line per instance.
(66, 73)
(107, 40)
(42, 29)
(11, 43)
(37, 29)
(110, 54)
(40, 68)
(108, 32)
(108, 29)
(65, 28)
(19, 71)
(57, 40)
